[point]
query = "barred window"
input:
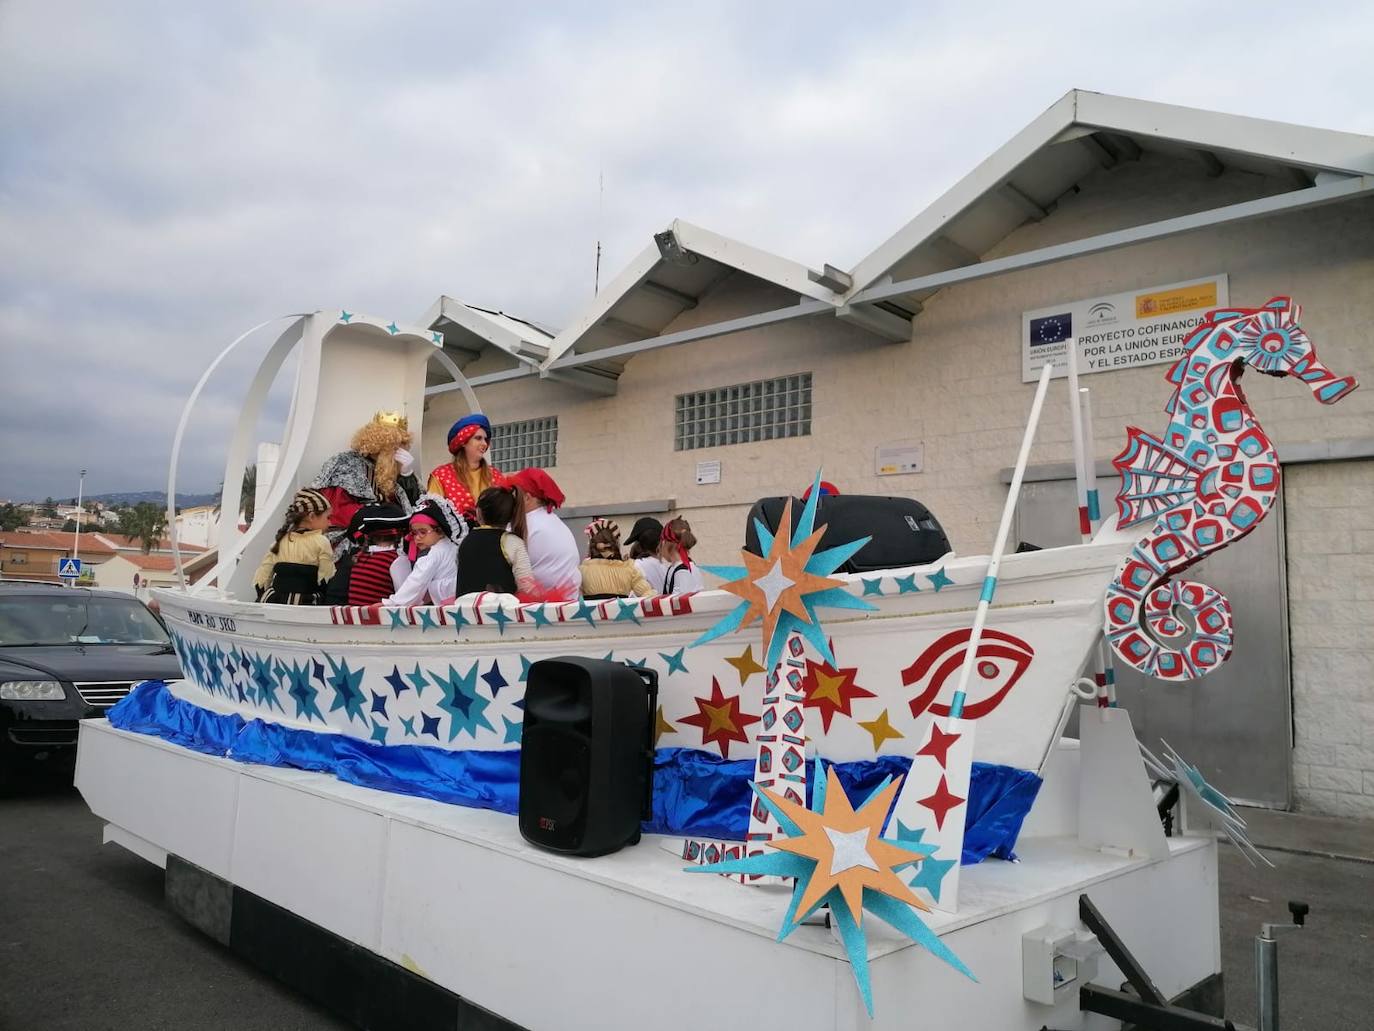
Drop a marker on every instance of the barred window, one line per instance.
(523, 445)
(767, 409)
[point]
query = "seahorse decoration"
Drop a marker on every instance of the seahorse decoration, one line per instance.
(1205, 483)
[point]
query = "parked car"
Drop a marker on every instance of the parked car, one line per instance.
(68, 654)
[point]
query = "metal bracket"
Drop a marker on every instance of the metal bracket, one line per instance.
(1148, 1008)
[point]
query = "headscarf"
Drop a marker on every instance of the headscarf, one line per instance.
(669, 536)
(539, 484)
(464, 429)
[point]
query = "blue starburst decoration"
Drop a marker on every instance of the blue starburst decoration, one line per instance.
(778, 622)
(500, 618)
(379, 732)
(836, 857)
(874, 586)
(397, 617)
(379, 704)
(408, 725)
(540, 617)
(427, 620)
(514, 730)
(347, 695)
(303, 692)
(429, 725)
(906, 584)
(462, 702)
(397, 682)
(417, 680)
(629, 609)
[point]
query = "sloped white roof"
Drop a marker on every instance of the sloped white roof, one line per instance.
(669, 277)
(1079, 134)
(468, 330)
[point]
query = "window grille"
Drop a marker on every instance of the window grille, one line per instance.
(524, 445)
(767, 409)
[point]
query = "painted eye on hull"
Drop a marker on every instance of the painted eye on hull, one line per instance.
(1001, 661)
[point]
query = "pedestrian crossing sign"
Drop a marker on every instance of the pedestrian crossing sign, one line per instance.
(69, 568)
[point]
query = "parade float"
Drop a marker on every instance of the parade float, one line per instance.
(837, 744)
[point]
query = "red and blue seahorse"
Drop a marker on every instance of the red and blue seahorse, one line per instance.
(1204, 484)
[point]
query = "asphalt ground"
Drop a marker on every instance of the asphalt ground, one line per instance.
(87, 944)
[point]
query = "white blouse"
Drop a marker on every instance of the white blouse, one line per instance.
(554, 557)
(657, 571)
(433, 581)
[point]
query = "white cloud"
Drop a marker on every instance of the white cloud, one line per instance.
(175, 173)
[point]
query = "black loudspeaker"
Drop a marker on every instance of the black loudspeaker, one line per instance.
(587, 754)
(903, 530)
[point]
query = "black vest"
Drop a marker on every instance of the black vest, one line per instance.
(481, 565)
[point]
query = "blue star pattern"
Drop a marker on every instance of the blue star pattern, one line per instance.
(408, 725)
(345, 683)
(462, 702)
(495, 681)
(417, 679)
(426, 620)
(379, 704)
(906, 584)
(629, 609)
(938, 579)
(874, 586)
(674, 661)
(524, 669)
(429, 725)
(514, 730)
(398, 617)
(345, 316)
(379, 732)
(303, 692)
(585, 611)
(500, 618)
(540, 617)
(397, 682)
(393, 329)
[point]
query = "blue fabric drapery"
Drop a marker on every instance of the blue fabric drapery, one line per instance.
(696, 793)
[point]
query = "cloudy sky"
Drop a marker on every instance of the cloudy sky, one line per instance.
(171, 174)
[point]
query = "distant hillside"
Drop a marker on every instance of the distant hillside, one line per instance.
(157, 497)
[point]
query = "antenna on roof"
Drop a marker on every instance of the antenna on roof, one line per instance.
(600, 198)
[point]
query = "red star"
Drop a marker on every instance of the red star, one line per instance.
(831, 690)
(941, 802)
(720, 719)
(938, 745)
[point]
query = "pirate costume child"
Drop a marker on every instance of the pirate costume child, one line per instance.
(301, 560)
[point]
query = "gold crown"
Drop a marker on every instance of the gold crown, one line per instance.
(391, 419)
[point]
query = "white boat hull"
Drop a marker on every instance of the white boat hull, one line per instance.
(453, 676)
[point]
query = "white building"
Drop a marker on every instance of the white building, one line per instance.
(707, 350)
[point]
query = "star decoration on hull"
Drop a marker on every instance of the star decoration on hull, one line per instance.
(347, 695)
(462, 702)
(720, 720)
(831, 690)
(745, 665)
(881, 729)
(839, 859)
(783, 588)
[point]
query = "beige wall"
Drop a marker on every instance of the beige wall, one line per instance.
(957, 386)
(1330, 523)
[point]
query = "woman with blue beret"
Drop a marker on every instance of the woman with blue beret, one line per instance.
(463, 479)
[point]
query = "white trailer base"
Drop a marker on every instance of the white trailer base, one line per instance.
(529, 939)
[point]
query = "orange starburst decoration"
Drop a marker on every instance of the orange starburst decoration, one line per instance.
(848, 847)
(777, 582)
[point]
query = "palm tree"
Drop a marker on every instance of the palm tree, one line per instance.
(248, 493)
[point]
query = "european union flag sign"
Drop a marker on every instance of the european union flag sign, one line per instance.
(1051, 329)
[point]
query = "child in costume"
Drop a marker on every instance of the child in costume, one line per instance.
(494, 558)
(301, 560)
(554, 555)
(605, 573)
(670, 570)
(374, 566)
(436, 530)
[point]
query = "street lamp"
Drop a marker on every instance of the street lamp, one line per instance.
(76, 537)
